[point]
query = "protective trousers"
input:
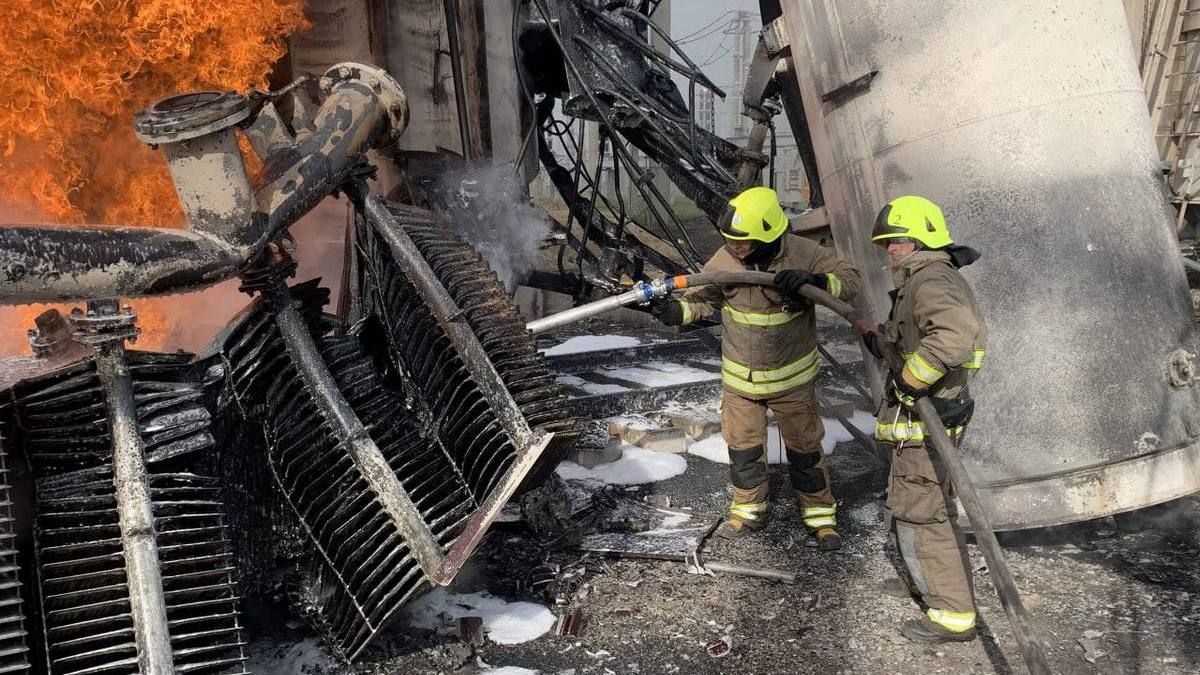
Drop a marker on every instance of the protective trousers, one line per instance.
(744, 425)
(930, 546)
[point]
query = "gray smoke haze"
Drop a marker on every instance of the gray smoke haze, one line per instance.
(488, 208)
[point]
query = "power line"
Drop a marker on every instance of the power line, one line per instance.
(695, 35)
(716, 58)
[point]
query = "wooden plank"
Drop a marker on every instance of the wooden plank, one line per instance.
(503, 90)
(415, 51)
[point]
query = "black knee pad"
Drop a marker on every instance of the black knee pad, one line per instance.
(802, 466)
(746, 468)
(803, 460)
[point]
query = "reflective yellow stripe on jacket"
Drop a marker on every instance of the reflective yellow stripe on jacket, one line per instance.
(765, 382)
(923, 370)
(750, 319)
(834, 285)
(688, 315)
(974, 363)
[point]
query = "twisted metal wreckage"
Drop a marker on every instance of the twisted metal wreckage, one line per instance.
(392, 433)
(371, 447)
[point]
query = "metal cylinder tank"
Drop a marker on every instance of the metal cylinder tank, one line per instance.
(1027, 122)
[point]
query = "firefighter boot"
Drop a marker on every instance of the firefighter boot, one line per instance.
(744, 519)
(749, 509)
(828, 539)
(810, 476)
(939, 626)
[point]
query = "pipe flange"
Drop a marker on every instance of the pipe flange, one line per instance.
(389, 91)
(186, 116)
(104, 324)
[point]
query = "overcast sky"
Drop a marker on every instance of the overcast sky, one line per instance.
(702, 27)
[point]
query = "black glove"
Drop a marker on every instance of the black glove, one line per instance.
(904, 394)
(669, 312)
(871, 340)
(791, 281)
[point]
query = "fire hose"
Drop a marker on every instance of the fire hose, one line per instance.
(985, 537)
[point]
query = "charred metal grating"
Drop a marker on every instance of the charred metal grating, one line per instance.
(14, 654)
(360, 571)
(82, 587)
(84, 592)
(254, 348)
(64, 426)
(475, 438)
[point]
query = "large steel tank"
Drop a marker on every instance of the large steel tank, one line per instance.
(1027, 122)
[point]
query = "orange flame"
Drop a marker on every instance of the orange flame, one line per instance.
(74, 74)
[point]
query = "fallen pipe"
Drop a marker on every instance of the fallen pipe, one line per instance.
(364, 109)
(759, 572)
(985, 537)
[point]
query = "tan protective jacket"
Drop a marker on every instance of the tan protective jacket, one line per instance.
(938, 328)
(769, 347)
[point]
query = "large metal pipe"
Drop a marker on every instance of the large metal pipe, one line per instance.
(1033, 136)
(53, 264)
(143, 575)
(364, 109)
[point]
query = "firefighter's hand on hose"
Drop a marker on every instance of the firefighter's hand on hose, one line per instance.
(871, 341)
(907, 390)
(667, 310)
(791, 281)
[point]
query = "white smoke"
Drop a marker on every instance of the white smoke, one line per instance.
(490, 211)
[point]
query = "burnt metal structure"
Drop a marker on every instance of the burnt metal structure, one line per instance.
(227, 224)
(593, 62)
(394, 433)
(596, 61)
(397, 443)
(14, 652)
(131, 560)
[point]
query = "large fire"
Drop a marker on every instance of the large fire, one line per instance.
(76, 71)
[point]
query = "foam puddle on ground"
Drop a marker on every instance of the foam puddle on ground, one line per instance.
(576, 382)
(636, 466)
(714, 448)
(652, 374)
(659, 374)
(591, 343)
(505, 623)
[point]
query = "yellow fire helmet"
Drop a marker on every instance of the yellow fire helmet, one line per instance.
(754, 215)
(915, 218)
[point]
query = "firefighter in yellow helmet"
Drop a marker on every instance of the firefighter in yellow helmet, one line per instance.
(936, 326)
(769, 359)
